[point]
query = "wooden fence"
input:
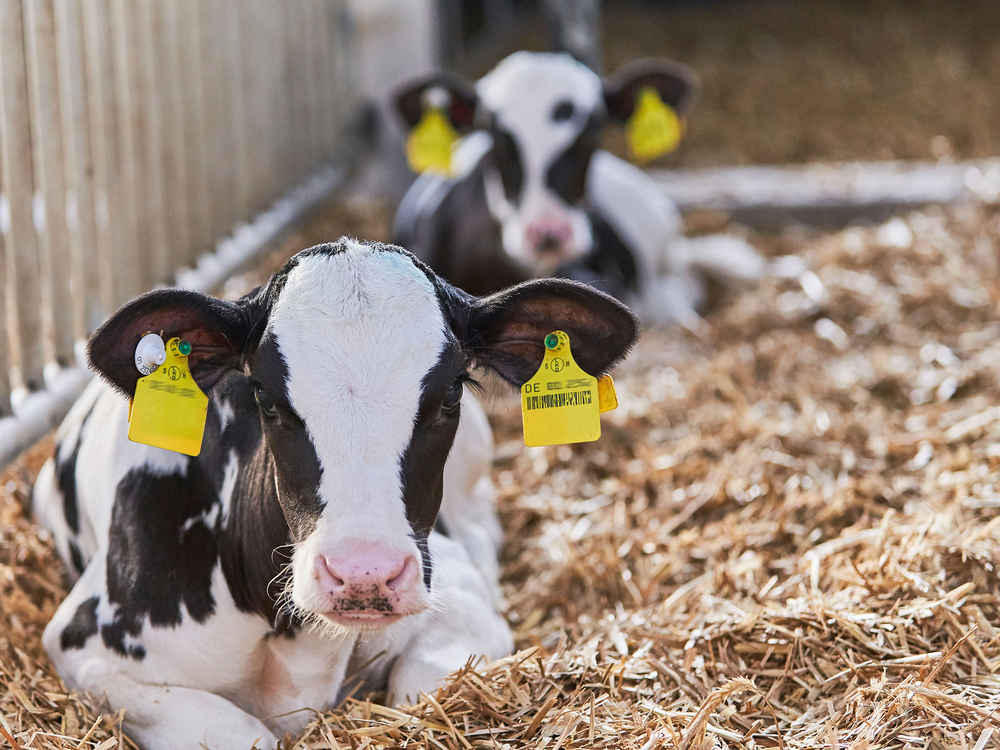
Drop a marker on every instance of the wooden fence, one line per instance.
(134, 134)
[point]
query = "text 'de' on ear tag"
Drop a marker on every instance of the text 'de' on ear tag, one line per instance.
(653, 129)
(559, 404)
(429, 145)
(169, 409)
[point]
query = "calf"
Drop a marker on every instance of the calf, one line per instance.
(302, 552)
(534, 195)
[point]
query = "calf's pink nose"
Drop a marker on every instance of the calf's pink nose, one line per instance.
(548, 234)
(367, 568)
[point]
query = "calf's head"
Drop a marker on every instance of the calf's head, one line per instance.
(356, 355)
(544, 113)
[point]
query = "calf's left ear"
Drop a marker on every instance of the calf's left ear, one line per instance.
(216, 330)
(675, 83)
(506, 331)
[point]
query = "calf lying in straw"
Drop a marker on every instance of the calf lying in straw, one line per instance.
(337, 527)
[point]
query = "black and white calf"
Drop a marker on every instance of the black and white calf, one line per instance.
(303, 550)
(535, 196)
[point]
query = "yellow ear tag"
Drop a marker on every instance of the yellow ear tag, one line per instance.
(653, 129)
(560, 403)
(428, 147)
(169, 409)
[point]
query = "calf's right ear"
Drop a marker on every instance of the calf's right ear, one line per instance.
(458, 97)
(217, 331)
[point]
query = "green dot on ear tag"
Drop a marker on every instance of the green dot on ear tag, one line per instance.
(551, 341)
(184, 347)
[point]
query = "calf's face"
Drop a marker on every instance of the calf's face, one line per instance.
(356, 355)
(544, 113)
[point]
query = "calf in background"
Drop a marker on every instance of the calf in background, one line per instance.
(535, 196)
(338, 525)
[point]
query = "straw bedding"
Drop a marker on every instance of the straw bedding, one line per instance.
(788, 536)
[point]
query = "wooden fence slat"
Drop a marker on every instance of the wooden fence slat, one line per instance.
(327, 76)
(290, 89)
(197, 156)
(254, 56)
(23, 281)
(280, 121)
(50, 184)
(149, 120)
(79, 170)
(270, 97)
(132, 264)
(221, 128)
(341, 72)
(5, 359)
(212, 100)
(176, 199)
(234, 26)
(113, 233)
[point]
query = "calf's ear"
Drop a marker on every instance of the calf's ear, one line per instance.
(675, 83)
(506, 331)
(458, 99)
(217, 331)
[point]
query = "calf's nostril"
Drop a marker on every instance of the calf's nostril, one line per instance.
(550, 243)
(325, 570)
(402, 578)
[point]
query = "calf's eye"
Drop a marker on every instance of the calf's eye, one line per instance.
(452, 398)
(264, 402)
(562, 111)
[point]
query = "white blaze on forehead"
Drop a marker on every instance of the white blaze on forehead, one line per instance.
(358, 330)
(525, 87)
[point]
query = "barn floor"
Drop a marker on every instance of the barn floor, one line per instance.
(787, 537)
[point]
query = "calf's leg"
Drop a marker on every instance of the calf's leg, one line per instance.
(157, 716)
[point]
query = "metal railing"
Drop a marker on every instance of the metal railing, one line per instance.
(134, 136)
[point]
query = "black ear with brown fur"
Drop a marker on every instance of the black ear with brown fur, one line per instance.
(459, 95)
(506, 331)
(216, 330)
(676, 84)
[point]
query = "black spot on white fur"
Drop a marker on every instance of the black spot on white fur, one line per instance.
(82, 626)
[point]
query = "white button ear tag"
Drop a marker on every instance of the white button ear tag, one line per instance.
(150, 353)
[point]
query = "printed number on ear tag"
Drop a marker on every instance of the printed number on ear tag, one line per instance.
(428, 147)
(561, 403)
(169, 409)
(654, 129)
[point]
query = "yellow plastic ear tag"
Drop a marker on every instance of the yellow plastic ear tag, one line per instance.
(560, 403)
(428, 147)
(169, 409)
(653, 129)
